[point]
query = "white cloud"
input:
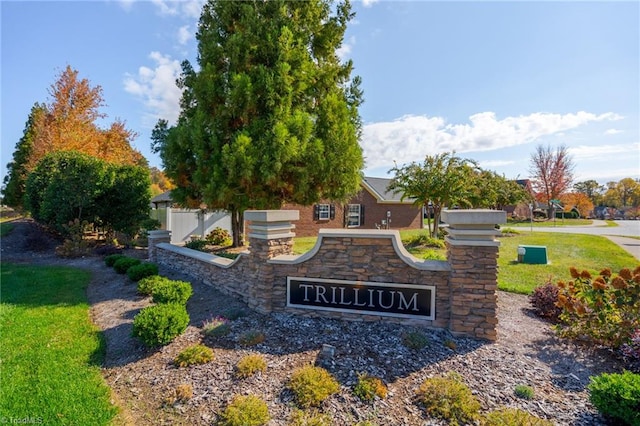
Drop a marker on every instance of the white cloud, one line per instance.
(613, 132)
(600, 152)
(184, 35)
(157, 89)
(411, 138)
(187, 9)
(490, 164)
(344, 51)
(126, 4)
(369, 3)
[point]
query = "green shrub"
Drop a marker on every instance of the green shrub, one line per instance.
(172, 291)
(159, 324)
(112, 258)
(617, 396)
(524, 391)
(604, 308)
(415, 340)
(368, 387)
(147, 284)
(217, 327)
(219, 237)
(122, 265)
(197, 245)
(234, 313)
(513, 416)
(196, 354)
(251, 338)
(246, 410)
(143, 270)
(449, 398)
(309, 418)
(422, 240)
(311, 385)
(250, 364)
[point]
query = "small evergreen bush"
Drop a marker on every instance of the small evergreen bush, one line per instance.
(196, 354)
(246, 410)
(368, 387)
(311, 385)
(184, 392)
(197, 245)
(123, 264)
(143, 270)
(449, 398)
(234, 313)
(513, 416)
(617, 396)
(524, 392)
(172, 291)
(158, 325)
(217, 327)
(415, 340)
(250, 364)
(147, 284)
(544, 299)
(112, 258)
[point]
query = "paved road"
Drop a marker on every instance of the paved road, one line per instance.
(619, 234)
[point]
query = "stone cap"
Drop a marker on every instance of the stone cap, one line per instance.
(474, 217)
(271, 224)
(271, 215)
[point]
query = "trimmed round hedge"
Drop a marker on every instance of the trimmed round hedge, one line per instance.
(123, 264)
(171, 292)
(158, 325)
(142, 270)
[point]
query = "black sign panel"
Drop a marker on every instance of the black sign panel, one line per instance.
(387, 299)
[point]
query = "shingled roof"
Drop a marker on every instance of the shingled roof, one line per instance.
(378, 188)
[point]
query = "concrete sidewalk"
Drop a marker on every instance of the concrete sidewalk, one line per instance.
(631, 245)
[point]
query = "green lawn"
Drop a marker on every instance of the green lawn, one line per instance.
(589, 252)
(50, 351)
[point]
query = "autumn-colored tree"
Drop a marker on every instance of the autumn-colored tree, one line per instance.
(69, 125)
(625, 193)
(160, 183)
(552, 172)
(579, 200)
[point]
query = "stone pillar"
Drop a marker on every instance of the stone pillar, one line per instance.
(472, 252)
(270, 234)
(156, 237)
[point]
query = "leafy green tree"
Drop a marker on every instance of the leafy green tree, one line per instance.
(443, 180)
(69, 185)
(16, 178)
(272, 114)
(124, 203)
(494, 191)
(63, 187)
(592, 189)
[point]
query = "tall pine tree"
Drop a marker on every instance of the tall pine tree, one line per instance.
(271, 116)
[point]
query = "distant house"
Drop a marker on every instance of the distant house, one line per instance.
(374, 207)
(522, 209)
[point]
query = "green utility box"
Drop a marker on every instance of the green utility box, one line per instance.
(532, 254)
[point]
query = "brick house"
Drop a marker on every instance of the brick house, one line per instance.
(372, 208)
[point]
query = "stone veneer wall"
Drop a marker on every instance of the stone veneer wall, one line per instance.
(465, 284)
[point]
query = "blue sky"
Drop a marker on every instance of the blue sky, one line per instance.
(490, 80)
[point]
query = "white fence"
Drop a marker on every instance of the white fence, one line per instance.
(183, 223)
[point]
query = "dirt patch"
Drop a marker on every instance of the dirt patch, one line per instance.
(144, 380)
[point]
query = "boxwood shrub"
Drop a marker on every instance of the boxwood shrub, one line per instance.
(617, 397)
(142, 270)
(112, 258)
(171, 292)
(147, 284)
(158, 325)
(123, 264)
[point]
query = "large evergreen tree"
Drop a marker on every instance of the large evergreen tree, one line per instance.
(271, 116)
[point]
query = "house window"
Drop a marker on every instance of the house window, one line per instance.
(353, 215)
(324, 212)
